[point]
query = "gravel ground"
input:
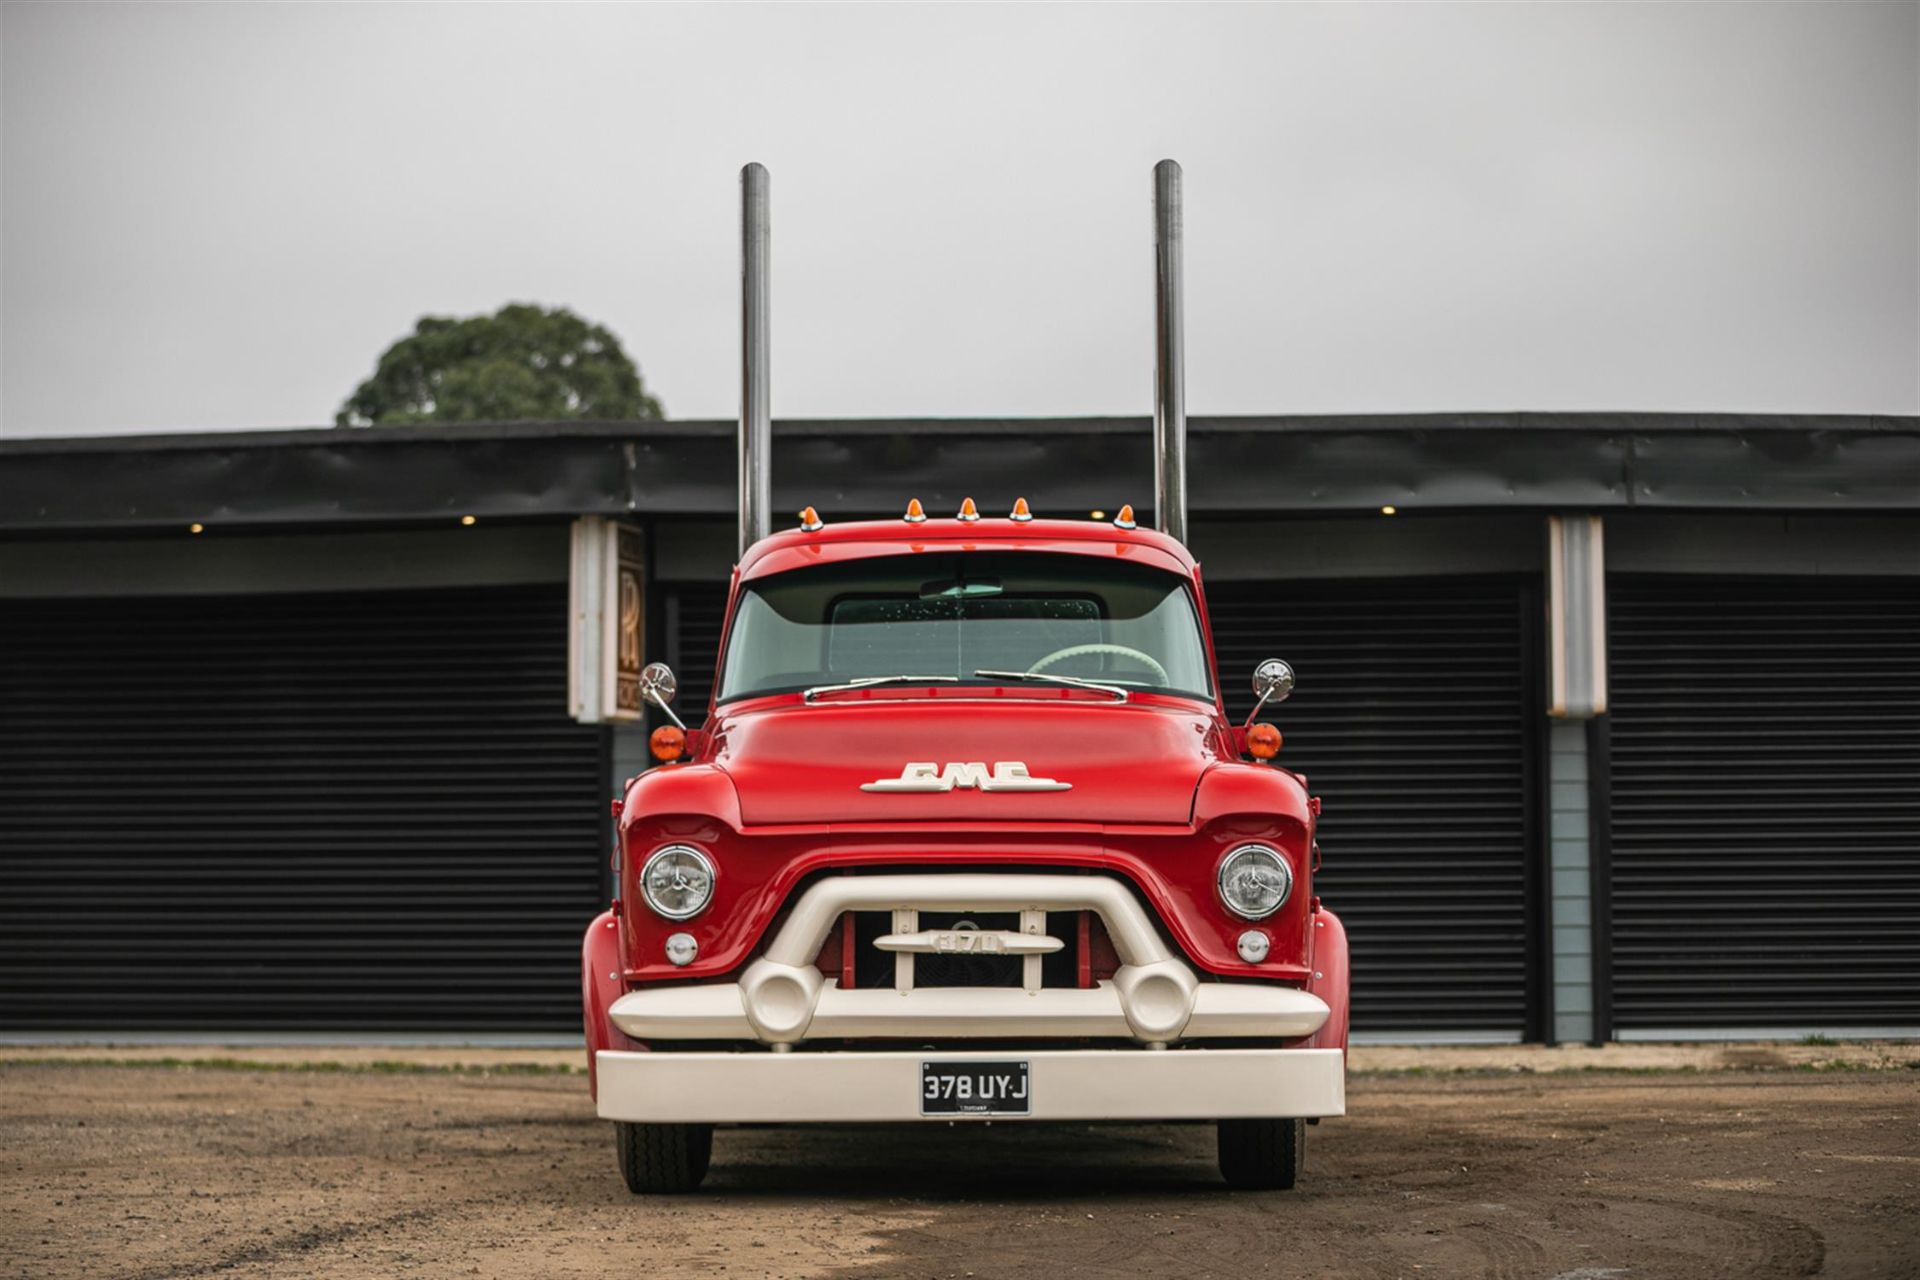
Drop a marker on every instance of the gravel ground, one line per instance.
(158, 1171)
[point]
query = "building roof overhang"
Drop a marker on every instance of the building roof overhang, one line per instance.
(1238, 466)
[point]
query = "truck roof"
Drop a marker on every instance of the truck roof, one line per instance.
(862, 539)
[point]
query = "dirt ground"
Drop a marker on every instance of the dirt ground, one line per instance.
(155, 1171)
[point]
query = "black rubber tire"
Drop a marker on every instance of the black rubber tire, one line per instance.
(1262, 1155)
(663, 1159)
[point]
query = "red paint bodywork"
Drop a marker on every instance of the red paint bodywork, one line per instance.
(771, 788)
(864, 540)
(600, 985)
(1330, 980)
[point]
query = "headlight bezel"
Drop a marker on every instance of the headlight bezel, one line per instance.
(1263, 852)
(677, 849)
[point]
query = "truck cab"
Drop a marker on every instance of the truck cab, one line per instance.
(965, 834)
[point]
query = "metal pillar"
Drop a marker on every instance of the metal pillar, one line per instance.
(756, 367)
(1169, 357)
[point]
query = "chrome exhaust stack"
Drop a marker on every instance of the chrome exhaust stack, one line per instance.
(1169, 357)
(756, 362)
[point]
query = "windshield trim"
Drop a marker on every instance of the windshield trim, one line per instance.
(951, 691)
(1196, 609)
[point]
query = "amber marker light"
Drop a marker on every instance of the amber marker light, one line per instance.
(916, 514)
(968, 511)
(466, 520)
(1263, 742)
(1021, 511)
(1389, 511)
(810, 521)
(1096, 515)
(1125, 519)
(667, 743)
(196, 527)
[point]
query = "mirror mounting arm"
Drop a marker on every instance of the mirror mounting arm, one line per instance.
(652, 696)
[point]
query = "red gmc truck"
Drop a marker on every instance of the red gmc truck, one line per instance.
(966, 834)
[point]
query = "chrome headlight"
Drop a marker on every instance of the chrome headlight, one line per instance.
(1254, 881)
(677, 881)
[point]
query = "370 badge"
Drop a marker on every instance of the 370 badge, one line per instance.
(975, 1089)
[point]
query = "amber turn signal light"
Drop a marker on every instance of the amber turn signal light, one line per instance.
(668, 743)
(1263, 742)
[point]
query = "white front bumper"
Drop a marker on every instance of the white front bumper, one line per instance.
(1067, 1084)
(1187, 1009)
(781, 998)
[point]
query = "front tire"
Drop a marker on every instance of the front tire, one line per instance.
(663, 1159)
(1262, 1155)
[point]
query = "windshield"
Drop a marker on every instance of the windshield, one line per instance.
(949, 617)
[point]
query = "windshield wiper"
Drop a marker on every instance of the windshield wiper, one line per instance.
(865, 682)
(1074, 682)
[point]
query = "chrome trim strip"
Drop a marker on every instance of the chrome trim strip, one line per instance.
(868, 682)
(1047, 677)
(977, 942)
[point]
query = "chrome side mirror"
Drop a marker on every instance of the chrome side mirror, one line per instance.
(658, 685)
(1272, 681)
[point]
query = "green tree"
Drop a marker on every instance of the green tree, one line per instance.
(522, 362)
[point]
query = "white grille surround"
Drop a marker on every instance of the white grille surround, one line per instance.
(782, 1000)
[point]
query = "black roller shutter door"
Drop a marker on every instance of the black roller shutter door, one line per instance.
(695, 612)
(1414, 719)
(1765, 803)
(316, 812)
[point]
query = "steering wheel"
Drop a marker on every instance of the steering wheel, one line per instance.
(1119, 650)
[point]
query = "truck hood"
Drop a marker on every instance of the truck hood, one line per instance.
(1000, 759)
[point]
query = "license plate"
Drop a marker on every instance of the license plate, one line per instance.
(975, 1089)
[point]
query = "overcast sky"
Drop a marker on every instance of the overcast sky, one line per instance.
(218, 216)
